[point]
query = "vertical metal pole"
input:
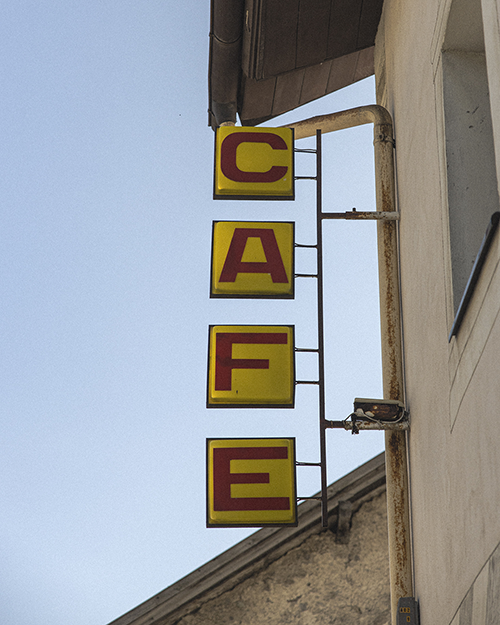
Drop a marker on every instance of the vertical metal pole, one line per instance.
(321, 336)
(396, 461)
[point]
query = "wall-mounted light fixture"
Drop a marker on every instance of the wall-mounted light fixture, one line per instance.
(379, 409)
(374, 414)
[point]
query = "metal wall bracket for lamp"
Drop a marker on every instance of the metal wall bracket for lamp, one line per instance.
(374, 414)
(363, 215)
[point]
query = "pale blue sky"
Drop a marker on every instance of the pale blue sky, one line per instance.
(106, 217)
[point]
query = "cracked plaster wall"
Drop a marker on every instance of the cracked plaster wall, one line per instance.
(321, 582)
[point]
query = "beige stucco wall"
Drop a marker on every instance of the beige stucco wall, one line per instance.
(452, 389)
(320, 582)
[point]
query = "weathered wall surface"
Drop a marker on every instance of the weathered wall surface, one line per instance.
(452, 387)
(321, 582)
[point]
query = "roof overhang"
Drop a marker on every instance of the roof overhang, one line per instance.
(268, 57)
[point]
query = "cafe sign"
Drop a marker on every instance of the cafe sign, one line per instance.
(252, 259)
(251, 367)
(251, 482)
(254, 163)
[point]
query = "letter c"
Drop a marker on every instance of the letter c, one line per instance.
(228, 150)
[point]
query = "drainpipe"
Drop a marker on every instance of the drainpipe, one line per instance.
(398, 517)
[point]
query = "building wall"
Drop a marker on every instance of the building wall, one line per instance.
(320, 582)
(304, 574)
(452, 387)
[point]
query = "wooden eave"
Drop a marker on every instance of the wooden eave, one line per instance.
(268, 57)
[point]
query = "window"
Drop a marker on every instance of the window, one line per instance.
(470, 158)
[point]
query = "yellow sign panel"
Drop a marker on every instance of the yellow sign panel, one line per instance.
(251, 366)
(254, 163)
(252, 259)
(251, 482)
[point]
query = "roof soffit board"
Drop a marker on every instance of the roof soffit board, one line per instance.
(343, 33)
(261, 100)
(283, 35)
(312, 32)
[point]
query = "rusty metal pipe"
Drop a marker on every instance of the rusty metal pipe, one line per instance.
(367, 425)
(390, 319)
(363, 215)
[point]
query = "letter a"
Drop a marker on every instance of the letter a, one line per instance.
(234, 265)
